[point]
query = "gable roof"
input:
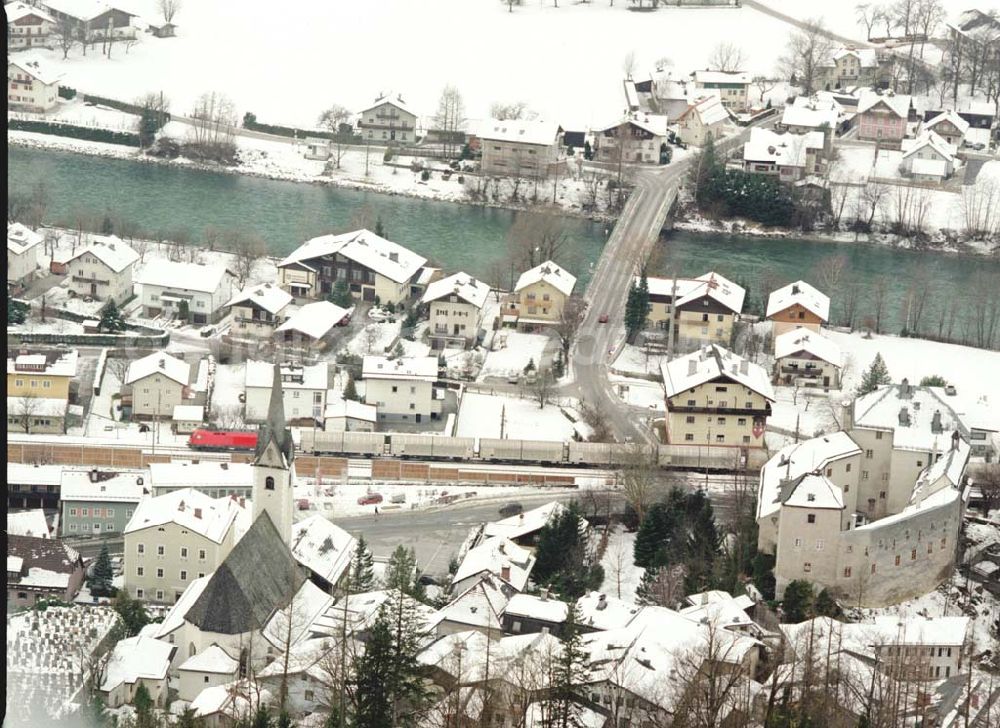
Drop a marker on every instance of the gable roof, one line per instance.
(929, 138)
(44, 555)
(481, 605)
(18, 10)
(899, 104)
(349, 408)
(527, 522)
(655, 124)
(28, 523)
(364, 247)
(710, 363)
(708, 108)
(159, 362)
(268, 296)
(787, 149)
(390, 97)
(258, 576)
(182, 276)
(190, 509)
(812, 490)
(21, 238)
(801, 293)
(550, 273)
(323, 547)
(110, 250)
(709, 76)
(794, 461)
(84, 9)
(214, 659)
(136, 658)
(813, 112)
(867, 57)
(797, 340)
(492, 556)
(36, 68)
(315, 320)
(951, 116)
(523, 131)
(405, 367)
(463, 285)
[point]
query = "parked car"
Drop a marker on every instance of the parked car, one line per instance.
(370, 499)
(398, 498)
(303, 504)
(602, 319)
(207, 331)
(511, 509)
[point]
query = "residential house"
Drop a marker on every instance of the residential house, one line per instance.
(161, 29)
(345, 415)
(660, 94)
(324, 549)
(156, 384)
(527, 614)
(317, 149)
(204, 671)
(455, 310)
(188, 291)
(883, 117)
(499, 557)
(24, 247)
(949, 126)
(214, 479)
(224, 706)
(27, 523)
(309, 328)
(705, 310)
(96, 502)
(403, 388)
(257, 311)
(715, 397)
(928, 158)
(304, 388)
(187, 418)
(389, 121)
(41, 568)
(797, 305)
(523, 529)
(479, 608)
(306, 673)
(806, 358)
(103, 270)
(538, 297)
(33, 486)
(28, 26)
(39, 389)
(789, 157)
(817, 113)
(732, 87)
(372, 267)
(639, 137)
(520, 148)
(176, 538)
(702, 117)
(848, 66)
(94, 19)
(134, 662)
(32, 85)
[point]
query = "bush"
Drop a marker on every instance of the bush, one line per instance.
(934, 380)
(387, 157)
(65, 92)
(461, 179)
(425, 175)
(250, 122)
(125, 138)
(165, 148)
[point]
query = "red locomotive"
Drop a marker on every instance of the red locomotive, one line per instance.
(222, 440)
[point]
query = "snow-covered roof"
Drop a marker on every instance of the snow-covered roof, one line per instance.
(951, 116)
(190, 509)
(16, 563)
(539, 715)
(946, 472)
(549, 272)
(361, 612)
(390, 97)
(787, 149)
(899, 104)
(713, 77)
(812, 113)
(28, 523)
(212, 659)
(932, 139)
(350, 409)
(523, 131)
(268, 296)
(92, 484)
(930, 167)
(292, 622)
(494, 555)
(322, 547)
(867, 57)
(207, 474)
(18, 10)
(794, 461)
(37, 68)
(805, 340)
(708, 108)
(232, 699)
(175, 617)
(803, 294)
(709, 284)
(84, 9)
(364, 247)
(19, 407)
(405, 367)
(813, 491)
(655, 124)
(462, 285)
(710, 363)
(182, 276)
(923, 630)
(136, 658)
(604, 612)
(31, 474)
(478, 606)
(159, 362)
(111, 250)
(21, 238)
(524, 523)
(315, 320)
(919, 418)
(545, 609)
(50, 362)
(293, 376)
(188, 413)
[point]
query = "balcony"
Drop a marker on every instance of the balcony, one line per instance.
(738, 411)
(98, 281)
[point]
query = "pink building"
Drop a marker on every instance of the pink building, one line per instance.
(882, 117)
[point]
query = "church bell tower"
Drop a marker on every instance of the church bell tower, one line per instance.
(273, 464)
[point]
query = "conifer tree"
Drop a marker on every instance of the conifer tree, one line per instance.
(797, 601)
(350, 391)
(702, 544)
(112, 319)
(143, 702)
(570, 671)
(132, 613)
(100, 581)
(362, 574)
(637, 306)
(401, 573)
(371, 678)
(875, 376)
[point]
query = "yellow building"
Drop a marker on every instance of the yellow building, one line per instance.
(538, 297)
(706, 308)
(715, 397)
(38, 390)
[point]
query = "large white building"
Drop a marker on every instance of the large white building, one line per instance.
(520, 148)
(24, 248)
(103, 270)
(304, 390)
(32, 85)
(199, 292)
(403, 388)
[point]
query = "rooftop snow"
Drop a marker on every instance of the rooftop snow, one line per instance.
(175, 617)
(50, 362)
(416, 367)
(85, 9)
(190, 509)
(182, 276)
(932, 139)
(951, 116)
(188, 413)
(364, 247)
(710, 363)
(124, 486)
(350, 409)
(910, 412)
(18, 10)
(479, 606)
(923, 630)
(550, 273)
(814, 491)
(524, 523)
(268, 296)
(213, 659)
(110, 250)
(899, 104)
(462, 285)
(27, 523)
(811, 113)
(396, 99)
(795, 461)
(492, 556)
(315, 320)
(207, 474)
(35, 67)
(707, 76)
(783, 149)
(159, 363)
(709, 109)
(547, 610)
(322, 547)
(136, 658)
(800, 293)
(709, 284)
(805, 340)
(542, 133)
(21, 238)
(293, 376)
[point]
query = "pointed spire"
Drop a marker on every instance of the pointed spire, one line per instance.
(275, 428)
(276, 408)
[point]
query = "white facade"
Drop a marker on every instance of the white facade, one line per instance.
(159, 382)
(32, 85)
(304, 390)
(403, 388)
(24, 247)
(168, 287)
(455, 306)
(389, 121)
(28, 26)
(103, 270)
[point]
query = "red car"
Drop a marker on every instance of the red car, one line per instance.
(602, 319)
(303, 504)
(370, 499)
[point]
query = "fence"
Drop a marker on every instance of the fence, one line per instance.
(75, 131)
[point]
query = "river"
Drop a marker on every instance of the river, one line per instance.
(166, 198)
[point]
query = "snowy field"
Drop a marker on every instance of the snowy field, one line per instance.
(621, 575)
(513, 351)
(481, 415)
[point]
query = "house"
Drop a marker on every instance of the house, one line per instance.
(345, 415)
(224, 706)
(526, 614)
(731, 86)
(324, 549)
(523, 529)
(28, 26)
(94, 19)
(317, 149)
(372, 268)
(403, 388)
(95, 502)
(705, 310)
(257, 311)
(39, 389)
(33, 486)
(188, 291)
(304, 389)
(848, 66)
(520, 148)
(639, 137)
(538, 297)
(187, 418)
(214, 479)
(176, 538)
(27, 523)
(161, 29)
(883, 117)
(136, 661)
(499, 557)
(205, 670)
(806, 358)
(41, 568)
(389, 121)
(949, 126)
(817, 113)
(715, 397)
(37, 415)
(309, 328)
(455, 308)
(103, 270)
(24, 247)
(660, 94)
(703, 116)
(789, 157)
(797, 305)
(479, 608)
(32, 85)
(157, 383)
(928, 158)
(307, 668)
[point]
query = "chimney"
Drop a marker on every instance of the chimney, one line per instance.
(544, 595)
(904, 417)
(795, 289)
(602, 603)
(520, 516)
(936, 422)
(744, 367)
(692, 367)
(505, 572)
(243, 502)
(904, 389)
(502, 548)
(954, 440)
(197, 512)
(180, 506)
(93, 475)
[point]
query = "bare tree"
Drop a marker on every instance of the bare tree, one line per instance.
(664, 587)
(829, 271)
(637, 475)
(508, 111)
(805, 53)
(247, 249)
(213, 126)
(372, 336)
(880, 293)
(65, 34)
(727, 57)
(536, 237)
(169, 8)
(596, 419)
(450, 117)
(542, 387)
(334, 119)
(629, 65)
(570, 319)
(868, 15)
(873, 198)
(26, 408)
(363, 218)
(764, 85)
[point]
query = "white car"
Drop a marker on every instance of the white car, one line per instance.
(377, 314)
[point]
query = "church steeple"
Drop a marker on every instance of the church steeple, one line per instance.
(274, 433)
(273, 468)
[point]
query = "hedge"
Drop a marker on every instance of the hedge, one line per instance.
(250, 122)
(127, 138)
(67, 92)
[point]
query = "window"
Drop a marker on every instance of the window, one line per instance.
(749, 405)
(721, 389)
(159, 573)
(819, 544)
(930, 548)
(811, 518)
(140, 571)
(913, 555)
(159, 595)
(140, 593)
(741, 421)
(184, 575)
(869, 454)
(873, 568)
(847, 468)
(691, 403)
(160, 550)
(141, 548)
(847, 572)
(269, 483)
(184, 552)
(807, 567)
(798, 543)
(84, 512)
(309, 695)
(72, 511)
(864, 475)
(689, 437)
(720, 421)
(689, 419)
(878, 435)
(881, 494)
(201, 554)
(897, 559)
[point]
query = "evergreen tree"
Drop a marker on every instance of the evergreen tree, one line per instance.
(107, 227)
(102, 575)
(333, 718)
(188, 719)
(798, 601)
(406, 683)
(702, 543)
(148, 126)
(704, 171)
(350, 391)
(588, 152)
(340, 295)
(561, 558)
(112, 319)
(262, 718)
(569, 672)
(401, 573)
(94, 713)
(284, 720)
(17, 311)
(362, 575)
(379, 228)
(934, 380)
(372, 670)
(825, 605)
(143, 702)
(875, 376)
(132, 613)
(637, 307)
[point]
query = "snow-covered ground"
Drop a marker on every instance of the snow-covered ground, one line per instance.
(375, 338)
(621, 575)
(481, 416)
(513, 351)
